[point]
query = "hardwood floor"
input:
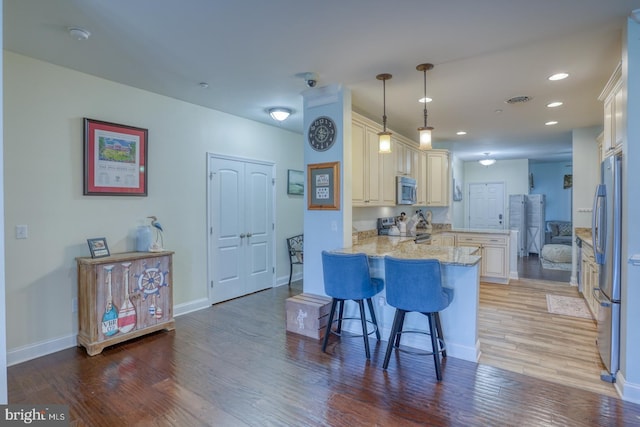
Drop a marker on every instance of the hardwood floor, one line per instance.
(530, 267)
(518, 334)
(233, 364)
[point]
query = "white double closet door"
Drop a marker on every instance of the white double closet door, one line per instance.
(241, 227)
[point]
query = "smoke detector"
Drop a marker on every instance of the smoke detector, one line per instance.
(78, 33)
(518, 99)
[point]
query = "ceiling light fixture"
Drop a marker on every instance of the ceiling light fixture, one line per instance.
(384, 137)
(558, 76)
(425, 131)
(487, 161)
(551, 123)
(554, 104)
(279, 114)
(461, 132)
(78, 33)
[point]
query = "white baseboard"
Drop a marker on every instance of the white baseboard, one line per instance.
(629, 392)
(33, 351)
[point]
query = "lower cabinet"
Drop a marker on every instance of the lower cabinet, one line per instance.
(123, 296)
(494, 250)
(589, 277)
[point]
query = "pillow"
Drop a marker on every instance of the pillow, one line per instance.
(553, 228)
(564, 229)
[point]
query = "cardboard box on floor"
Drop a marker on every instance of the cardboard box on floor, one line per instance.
(307, 314)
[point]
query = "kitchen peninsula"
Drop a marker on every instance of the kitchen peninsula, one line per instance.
(460, 272)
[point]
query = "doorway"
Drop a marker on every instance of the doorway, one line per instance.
(240, 211)
(486, 205)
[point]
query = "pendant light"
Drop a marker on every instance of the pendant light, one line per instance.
(384, 137)
(425, 131)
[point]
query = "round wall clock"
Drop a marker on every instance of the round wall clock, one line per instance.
(322, 133)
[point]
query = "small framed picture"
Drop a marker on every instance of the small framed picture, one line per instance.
(98, 247)
(295, 182)
(323, 187)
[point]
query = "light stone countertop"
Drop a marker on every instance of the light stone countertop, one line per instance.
(478, 230)
(405, 247)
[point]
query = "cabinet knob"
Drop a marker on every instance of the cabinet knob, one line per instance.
(242, 236)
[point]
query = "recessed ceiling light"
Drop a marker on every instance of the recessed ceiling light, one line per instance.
(498, 111)
(423, 100)
(203, 85)
(551, 123)
(554, 104)
(461, 132)
(558, 76)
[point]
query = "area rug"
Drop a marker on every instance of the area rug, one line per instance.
(566, 266)
(568, 306)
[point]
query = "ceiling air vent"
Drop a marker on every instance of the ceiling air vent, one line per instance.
(518, 99)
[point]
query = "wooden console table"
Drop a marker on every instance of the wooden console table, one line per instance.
(123, 296)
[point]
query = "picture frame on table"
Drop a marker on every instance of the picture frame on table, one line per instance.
(323, 186)
(115, 159)
(295, 182)
(98, 247)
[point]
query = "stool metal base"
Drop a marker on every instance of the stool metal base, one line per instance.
(435, 331)
(363, 319)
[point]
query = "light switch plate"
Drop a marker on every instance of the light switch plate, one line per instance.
(22, 231)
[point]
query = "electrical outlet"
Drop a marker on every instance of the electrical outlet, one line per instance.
(74, 305)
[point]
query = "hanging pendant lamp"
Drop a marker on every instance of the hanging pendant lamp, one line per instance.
(384, 137)
(425, 131)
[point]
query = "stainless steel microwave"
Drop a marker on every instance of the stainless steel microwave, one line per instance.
(406, 190)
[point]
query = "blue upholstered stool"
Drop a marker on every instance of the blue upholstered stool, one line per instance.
(416, 285)
(346, 277)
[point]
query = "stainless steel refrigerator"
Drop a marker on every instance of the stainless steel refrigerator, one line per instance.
(606, 231)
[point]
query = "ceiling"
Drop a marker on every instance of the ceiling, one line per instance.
(252, 54)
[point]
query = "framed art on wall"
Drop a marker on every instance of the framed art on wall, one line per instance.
(323, 186)
(295, 182)
(115, 159)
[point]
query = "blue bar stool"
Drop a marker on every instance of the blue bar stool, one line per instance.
(346, 277)
(415, 285)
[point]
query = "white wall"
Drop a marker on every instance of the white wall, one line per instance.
(630, 332)
(3, 319)
(44, 106)
(514, 173)
(586, 173)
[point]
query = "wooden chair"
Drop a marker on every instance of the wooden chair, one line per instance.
(295, 245)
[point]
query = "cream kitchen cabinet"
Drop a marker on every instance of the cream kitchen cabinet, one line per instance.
(494, 249)
(373, 177)
(443, 239)
(589, 277)
(437, 178)
(614, 97)
(407, 158)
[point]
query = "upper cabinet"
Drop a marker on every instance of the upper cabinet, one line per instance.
(614, 96)
(374, 174)
(370, 186)
(437, 178)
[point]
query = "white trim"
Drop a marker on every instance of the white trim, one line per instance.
(44, 348)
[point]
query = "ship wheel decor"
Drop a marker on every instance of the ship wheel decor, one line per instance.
(149, 282)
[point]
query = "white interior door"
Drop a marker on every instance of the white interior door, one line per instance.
(486, 205)
(240, 227)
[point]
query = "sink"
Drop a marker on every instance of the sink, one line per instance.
(423, 238)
